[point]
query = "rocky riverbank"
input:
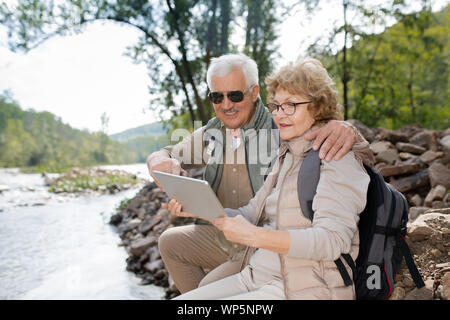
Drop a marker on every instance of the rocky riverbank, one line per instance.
(414, 160)
(139, 223)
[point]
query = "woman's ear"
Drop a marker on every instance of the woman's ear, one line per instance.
(255, 92)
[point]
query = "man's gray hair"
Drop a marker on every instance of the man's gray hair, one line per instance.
(223, 65)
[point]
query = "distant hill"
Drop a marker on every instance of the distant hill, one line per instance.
(40, 140)
(152, 129)
(143, 140)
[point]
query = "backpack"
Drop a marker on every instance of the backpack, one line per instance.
(382, 231)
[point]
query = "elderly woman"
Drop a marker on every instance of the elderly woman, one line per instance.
(289, 256)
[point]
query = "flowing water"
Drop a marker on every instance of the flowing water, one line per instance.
(59, 247)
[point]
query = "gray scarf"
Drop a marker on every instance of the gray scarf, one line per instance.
(260, 128)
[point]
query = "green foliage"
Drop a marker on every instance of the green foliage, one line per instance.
(179, 38)
(261, 36)
(392, 79)
(399, 76)
(88, 181)
(153, 129)
(141, 147)
(122, 205)
(42, 142)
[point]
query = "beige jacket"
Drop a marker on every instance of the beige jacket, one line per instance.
(308, 269)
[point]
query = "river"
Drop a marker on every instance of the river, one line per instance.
(59, 247)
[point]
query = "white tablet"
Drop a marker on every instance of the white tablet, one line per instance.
(196, 196)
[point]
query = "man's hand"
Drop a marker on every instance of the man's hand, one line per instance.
(237, 229)
(162, 163)
(339, 138)
(176, 209)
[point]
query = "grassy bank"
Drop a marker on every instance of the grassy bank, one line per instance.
(79, 180)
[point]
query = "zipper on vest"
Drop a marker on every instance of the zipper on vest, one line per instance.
(248, 169)
(277, 224)
(246, 257)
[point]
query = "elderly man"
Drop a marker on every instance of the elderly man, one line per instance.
(233, 167)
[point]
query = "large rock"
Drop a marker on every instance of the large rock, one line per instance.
(153, 253)
(388, 156)
(416, 200)
(381, 146)
(138, 247)
(439, 210)
(130, 225)
(154, 266)
(406, 156)
(447, 199)
(393, 136)
(149, 223)
(436, 193)
(419, 232)
(445, 159)
(426, 139)
(438, 204)
(444, 133)
(412, 182)
(421, 228)
(439, 174)
(445, 265)
(445, 142)
(430, 156)
(403, 168)
(414, 212)
(412, 129)
(116, 219)
(398, 294)
(410, 148)
(445, 282)
(424, 293)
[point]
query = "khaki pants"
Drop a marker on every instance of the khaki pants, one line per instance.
(188, 251)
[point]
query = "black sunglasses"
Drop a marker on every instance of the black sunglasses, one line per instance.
(217, 97)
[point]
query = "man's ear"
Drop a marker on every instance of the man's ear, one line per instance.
(255, 92)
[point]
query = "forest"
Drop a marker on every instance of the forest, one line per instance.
(390, 63)
(40, 141)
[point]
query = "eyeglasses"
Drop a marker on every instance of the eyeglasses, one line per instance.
(216, 97)
(287, 107)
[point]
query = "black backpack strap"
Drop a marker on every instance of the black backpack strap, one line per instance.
(307, 181)
(348, 258)
(343, 271)
(401, 243)
(269, 168)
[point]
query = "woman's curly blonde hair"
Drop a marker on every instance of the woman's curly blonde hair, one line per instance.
(309, 78)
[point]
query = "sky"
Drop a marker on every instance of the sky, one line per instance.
(81, 76)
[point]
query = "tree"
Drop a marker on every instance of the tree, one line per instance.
(413, 71)
(260, 35)
(360, 19)
(40, 140)
(398, 76)
(179, 37)
(100, 155)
